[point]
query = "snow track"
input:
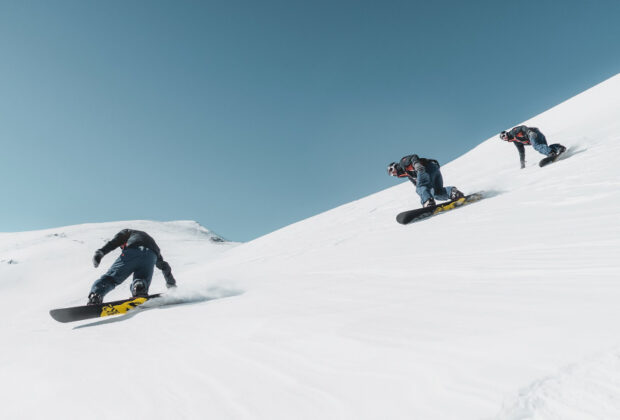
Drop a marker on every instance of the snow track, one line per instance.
(587, 390)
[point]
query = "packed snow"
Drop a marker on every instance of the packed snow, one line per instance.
(504, 309)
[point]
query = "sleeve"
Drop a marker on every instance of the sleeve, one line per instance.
(119, 239)
(166, 270)
(408, 164)
(400, 172)
(521, 150)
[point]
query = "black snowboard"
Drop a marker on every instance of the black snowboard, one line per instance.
(422, 213)
(546, 161)
(78, 313)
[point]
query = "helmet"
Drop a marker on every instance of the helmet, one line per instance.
(392, 169)
(503, 135)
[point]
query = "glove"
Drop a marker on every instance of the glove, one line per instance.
(170, 281)
(97, 258)
(522, 164)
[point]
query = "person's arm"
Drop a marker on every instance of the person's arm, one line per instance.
(411, 176)
(408, 163)
(119, 239)
(419, 165)
(521, 150)
(166, 270)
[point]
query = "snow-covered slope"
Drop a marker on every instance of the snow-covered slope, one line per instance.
(54, 263)
(505, 309)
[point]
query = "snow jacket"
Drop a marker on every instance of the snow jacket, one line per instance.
(129, 238)
(409, 166)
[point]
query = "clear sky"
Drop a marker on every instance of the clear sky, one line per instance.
(247, 116)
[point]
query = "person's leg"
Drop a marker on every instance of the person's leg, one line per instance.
(557, 148)
(424, 185)
(143, 272)
(116, 274)
(539, 143)
(439, 191)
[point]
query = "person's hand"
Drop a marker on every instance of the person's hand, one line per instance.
(170, 281)
(97, 257)
(522, 165)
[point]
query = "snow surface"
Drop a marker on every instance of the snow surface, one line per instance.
(505, 309)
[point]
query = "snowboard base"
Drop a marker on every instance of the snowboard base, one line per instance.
(410, 216)
(79, 313)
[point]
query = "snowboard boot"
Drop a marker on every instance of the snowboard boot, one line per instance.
(138, 288)
(556, 152)
(94, 299)
(429, 203)
(456, 194)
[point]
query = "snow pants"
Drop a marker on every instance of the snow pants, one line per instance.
(430, 184)
(139, 261)
(539, 143)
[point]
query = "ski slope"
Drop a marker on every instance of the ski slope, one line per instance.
(505, 309)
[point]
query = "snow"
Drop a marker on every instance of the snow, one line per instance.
(505, 309)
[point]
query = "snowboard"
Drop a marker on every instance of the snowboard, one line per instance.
(79, 313)
(419, 214)
(546, 161)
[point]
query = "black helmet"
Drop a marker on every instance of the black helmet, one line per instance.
(392, 169)
(503, 135)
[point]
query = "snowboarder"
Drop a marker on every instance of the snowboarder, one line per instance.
(426, 176)
(139, 256)
(522, 136)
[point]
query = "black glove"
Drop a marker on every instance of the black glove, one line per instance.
(170, 281)
(97, 258)
(522, 164)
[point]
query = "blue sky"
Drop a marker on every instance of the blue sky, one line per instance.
(250, 115)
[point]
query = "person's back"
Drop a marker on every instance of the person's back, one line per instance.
(129, 238)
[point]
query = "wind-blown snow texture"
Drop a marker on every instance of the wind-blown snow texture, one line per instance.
(504, 309)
